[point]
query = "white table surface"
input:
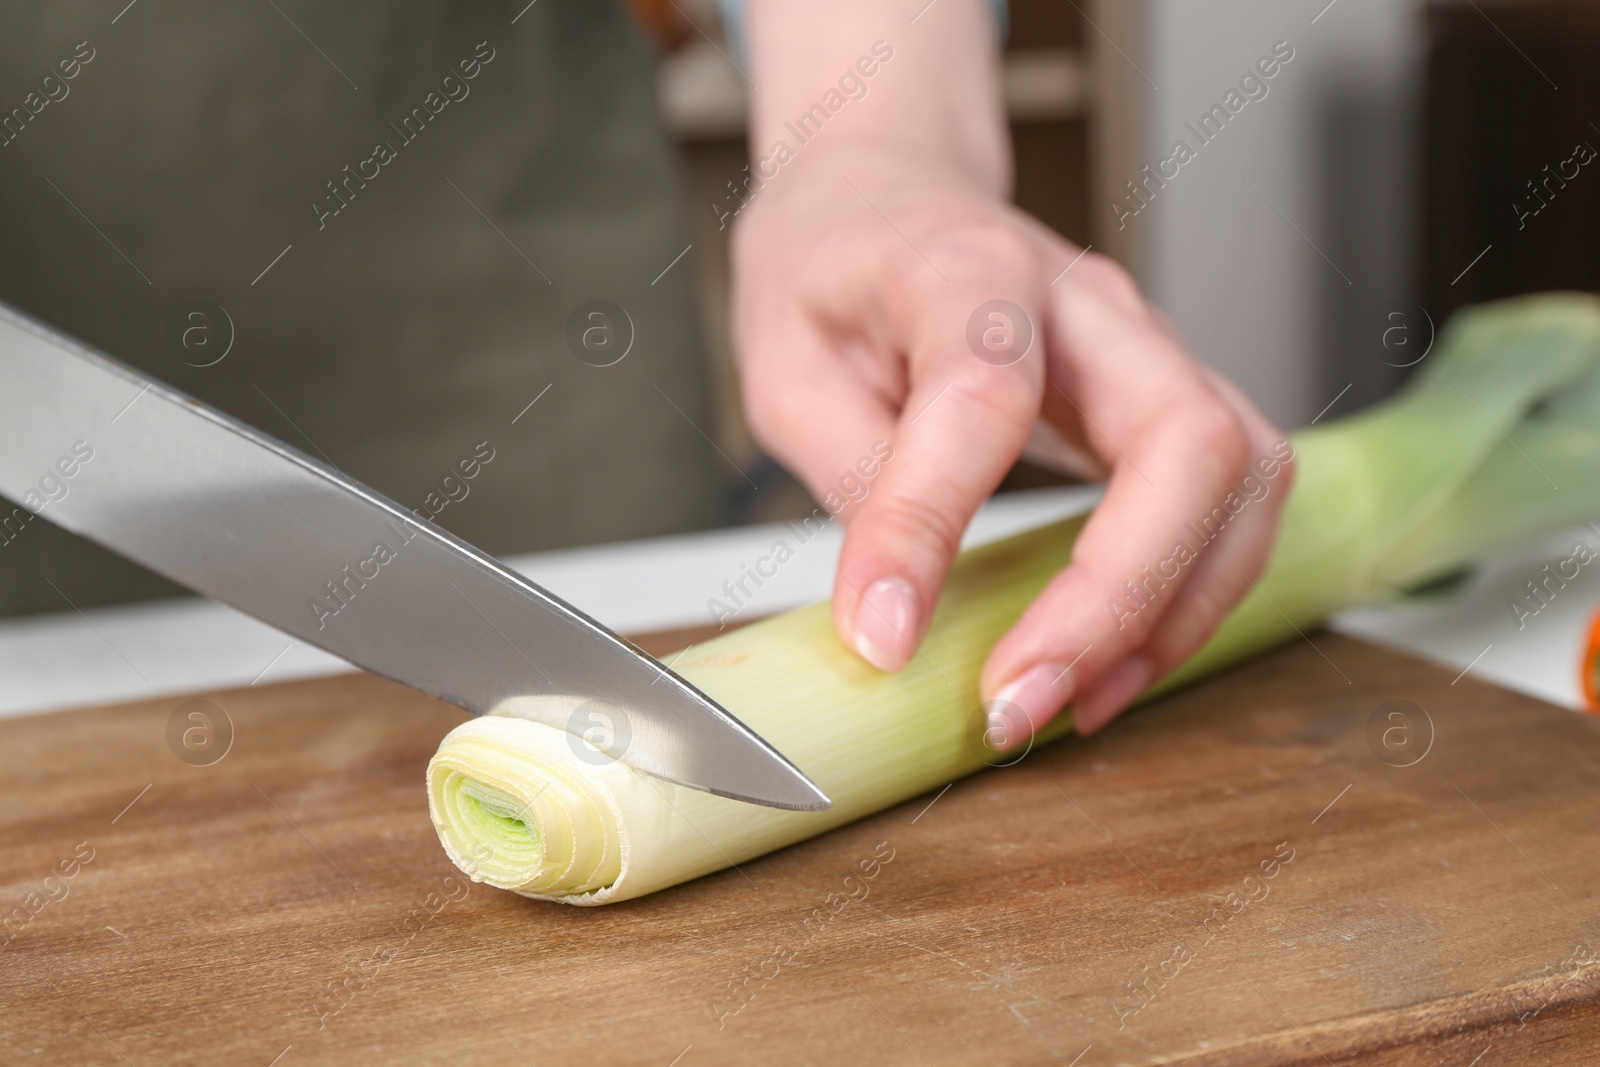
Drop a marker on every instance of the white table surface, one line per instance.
(172, 647)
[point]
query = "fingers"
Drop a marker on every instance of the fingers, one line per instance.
(954, 444)
(961, 428)
(1222, 575)
(1177, 448)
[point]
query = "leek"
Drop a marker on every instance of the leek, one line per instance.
(1494, 439)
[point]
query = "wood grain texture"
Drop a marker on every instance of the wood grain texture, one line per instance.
(292, 900)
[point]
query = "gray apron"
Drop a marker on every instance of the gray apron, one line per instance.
(408, 213)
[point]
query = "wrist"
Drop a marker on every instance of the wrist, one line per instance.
(886, 170)
(841, 81)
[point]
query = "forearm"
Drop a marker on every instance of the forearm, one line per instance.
(931, 102)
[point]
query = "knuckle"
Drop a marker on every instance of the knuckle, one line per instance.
(998, 393)
(1216, 437)
(769, 409)
(1205, 608)
(992, 242)
(994, 423)
(1106, 276)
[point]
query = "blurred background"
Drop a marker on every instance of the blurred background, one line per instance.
(1407, 158)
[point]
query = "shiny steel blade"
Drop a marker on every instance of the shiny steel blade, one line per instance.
(193, 494)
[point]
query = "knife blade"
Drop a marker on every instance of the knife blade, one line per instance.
(198, 496)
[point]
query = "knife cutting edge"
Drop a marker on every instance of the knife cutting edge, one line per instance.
(243, 518)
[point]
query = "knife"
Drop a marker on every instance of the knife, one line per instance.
(218, 506)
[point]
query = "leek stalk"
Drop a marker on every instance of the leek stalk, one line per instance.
(1495, 438)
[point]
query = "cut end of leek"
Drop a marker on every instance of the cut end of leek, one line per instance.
(532, 808)
(515, 810)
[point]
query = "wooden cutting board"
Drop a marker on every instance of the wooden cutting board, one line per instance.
(1233, 875)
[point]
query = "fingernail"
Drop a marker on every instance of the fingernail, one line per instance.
(1006, 726)
(1115, 690)
(886, 621)
(1039, 692)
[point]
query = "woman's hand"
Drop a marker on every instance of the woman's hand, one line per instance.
(866, 271)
